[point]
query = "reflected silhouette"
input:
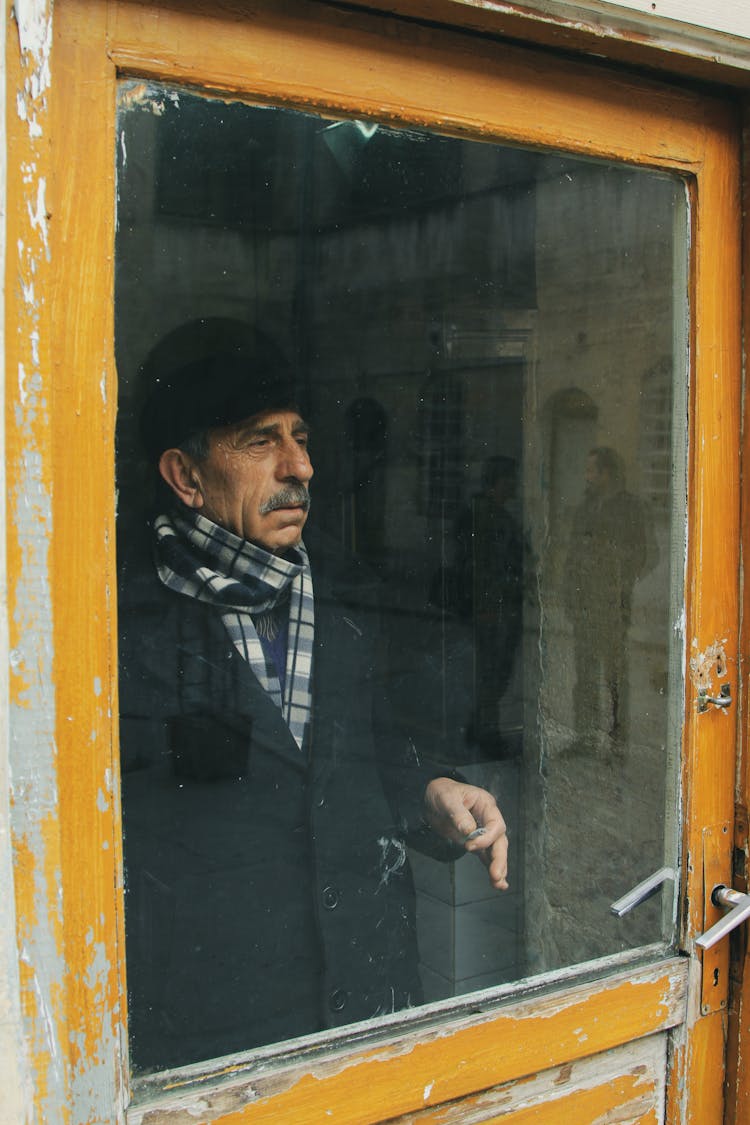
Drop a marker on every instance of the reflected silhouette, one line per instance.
(606, 556)
(367, 436)
(489, 587)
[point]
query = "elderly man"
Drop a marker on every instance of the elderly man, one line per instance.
(268, 796)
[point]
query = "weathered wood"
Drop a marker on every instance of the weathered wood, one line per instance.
(31, 706)
(444, 1063)
(624, 1084)
(713, 46)
(461, 85)
(738, 1072)
(59, 421)
(84, 401)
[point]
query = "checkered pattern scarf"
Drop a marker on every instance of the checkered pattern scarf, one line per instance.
(199, 559)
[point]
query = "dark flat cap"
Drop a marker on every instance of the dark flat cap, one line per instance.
(217, 389)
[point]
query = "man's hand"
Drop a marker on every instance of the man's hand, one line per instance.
(456, 810)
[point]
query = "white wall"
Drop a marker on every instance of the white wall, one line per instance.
(714, 31)
(686, 17)
(731, 17)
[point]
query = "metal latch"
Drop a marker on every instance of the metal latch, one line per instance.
(723, 699)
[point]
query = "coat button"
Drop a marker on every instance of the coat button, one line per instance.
(330, 898)
(337, 1000)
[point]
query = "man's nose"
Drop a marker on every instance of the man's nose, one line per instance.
(294, 461)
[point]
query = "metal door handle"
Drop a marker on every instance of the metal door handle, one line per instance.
(642, 891)
(722, 700)
(738, 906)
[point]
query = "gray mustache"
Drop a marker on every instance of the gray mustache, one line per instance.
(294, 495)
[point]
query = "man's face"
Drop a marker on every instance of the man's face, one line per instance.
(254, 480)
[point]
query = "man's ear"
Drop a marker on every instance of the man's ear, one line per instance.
(180, 473)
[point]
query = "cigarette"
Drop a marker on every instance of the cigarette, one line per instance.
(473, 835)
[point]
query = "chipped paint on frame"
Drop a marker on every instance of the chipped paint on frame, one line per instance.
(451, 1059)
(31, 715)
(16, 1087)
(68, 998)
(707, 664)
(626, 1083)
(40, 882)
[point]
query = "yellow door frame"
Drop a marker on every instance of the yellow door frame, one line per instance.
(60, 409)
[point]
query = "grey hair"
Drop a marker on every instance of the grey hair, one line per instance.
(196, 445)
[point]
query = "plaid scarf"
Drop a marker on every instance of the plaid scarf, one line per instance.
(199, 559)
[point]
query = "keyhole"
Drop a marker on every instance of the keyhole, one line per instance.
(716, 978)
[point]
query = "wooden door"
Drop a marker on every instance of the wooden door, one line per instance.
(654, 1021)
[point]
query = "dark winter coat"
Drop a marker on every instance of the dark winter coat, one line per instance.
(267, 891)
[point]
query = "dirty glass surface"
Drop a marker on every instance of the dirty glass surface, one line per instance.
(489, 347)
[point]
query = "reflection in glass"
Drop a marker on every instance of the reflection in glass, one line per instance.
(489, 345)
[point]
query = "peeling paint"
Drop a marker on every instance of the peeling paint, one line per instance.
(704, 666)
(145, 95)
(563, 1078)
(290, 1093)
(31, 714)
(33, 524)
(38, 216)
(142, 95)
(34, 23)
(34, 29)
(22, 383)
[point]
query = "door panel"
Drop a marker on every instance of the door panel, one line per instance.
(491, 348)
(626, 1083)
(460, 86)
(478, 1052)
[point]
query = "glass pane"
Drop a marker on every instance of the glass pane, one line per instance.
(489, 346)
